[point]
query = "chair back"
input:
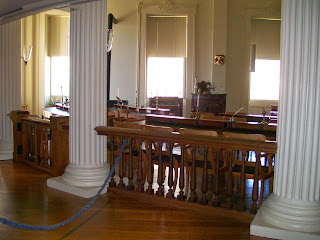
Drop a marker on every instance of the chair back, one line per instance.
(260, 137)
(198, 132)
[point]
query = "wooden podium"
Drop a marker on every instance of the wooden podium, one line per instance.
(212, 103)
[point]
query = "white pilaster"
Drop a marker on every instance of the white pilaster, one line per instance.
(87, 169)
(10, 83)
(293, 210)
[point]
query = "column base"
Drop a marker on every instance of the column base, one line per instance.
(281, 218)
(6, 150)
(85, 192)
(84, 181)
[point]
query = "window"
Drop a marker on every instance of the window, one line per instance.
(166, 53)
(60, 76)
(165, 76)
(265, 80)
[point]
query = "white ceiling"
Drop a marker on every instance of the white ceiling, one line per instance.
(8, 6)
(11, 10)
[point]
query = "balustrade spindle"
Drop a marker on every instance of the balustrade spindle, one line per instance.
(139, 169)
(130, 186)
(121, 166)
(204, 187)
(170, 193)
(112, 182)
(242, 190)
(193, 183)
(255, 184)
(181, 195)
(36, 143)
(230, 156)
(216, 187)
(150, 169)
(160, 191)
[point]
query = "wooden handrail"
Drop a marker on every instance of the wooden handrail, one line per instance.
(205, 141)
(224, 150)
(40, 143)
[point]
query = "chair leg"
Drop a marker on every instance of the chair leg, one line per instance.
(175, 177)
(235, 184)
(261, 192)
(187, 182)
(270, 184)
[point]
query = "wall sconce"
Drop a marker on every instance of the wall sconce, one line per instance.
(26, 53)
(109, 39)
(219, 59)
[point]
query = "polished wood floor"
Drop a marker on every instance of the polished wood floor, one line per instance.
(25, 198)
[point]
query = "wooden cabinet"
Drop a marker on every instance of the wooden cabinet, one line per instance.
(213, 103)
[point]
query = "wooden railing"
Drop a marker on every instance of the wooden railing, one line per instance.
(223, 150)
(42, 144)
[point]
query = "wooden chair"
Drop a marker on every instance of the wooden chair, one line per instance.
(265, 172)
(199, 155)
(212, 117)
(135, 149)
(155, 148)
(123, 115)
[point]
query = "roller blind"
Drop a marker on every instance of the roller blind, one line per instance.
(266, 35)
(166, 36)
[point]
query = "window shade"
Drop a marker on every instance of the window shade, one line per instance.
(166, 36)
(266, 35)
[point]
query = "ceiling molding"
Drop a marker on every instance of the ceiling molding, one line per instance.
(38, 7)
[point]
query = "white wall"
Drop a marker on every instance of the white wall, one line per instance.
(240, 13)
(212, 38)
(124, 60)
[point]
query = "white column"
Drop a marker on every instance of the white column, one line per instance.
(87, 169)
(10, 83)
(293, 210)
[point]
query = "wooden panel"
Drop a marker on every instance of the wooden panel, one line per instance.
(213, 103)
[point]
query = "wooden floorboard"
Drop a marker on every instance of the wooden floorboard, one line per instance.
(25, 198)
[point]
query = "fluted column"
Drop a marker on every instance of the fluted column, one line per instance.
(87, 168)
(10, 83)
(293, 210)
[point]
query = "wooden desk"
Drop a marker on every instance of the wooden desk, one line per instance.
(53, 111)
(251, 117)
(62, 107)
(269, 130)
(147, 110)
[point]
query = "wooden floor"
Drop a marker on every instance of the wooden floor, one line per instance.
(25, 198)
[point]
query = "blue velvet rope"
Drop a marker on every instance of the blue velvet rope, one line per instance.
(54, 226)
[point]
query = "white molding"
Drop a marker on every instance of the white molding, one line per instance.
(261, 228)
(85, 192)
(85, 176)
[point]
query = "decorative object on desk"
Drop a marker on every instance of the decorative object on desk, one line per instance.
(119, 101)
(205, 87)
(61, 97)
(195, 86)
(26, 53)
(157, 103)
(198, 105)
(232, 119)
(219, 59)
(264, 116)
(109, 39)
